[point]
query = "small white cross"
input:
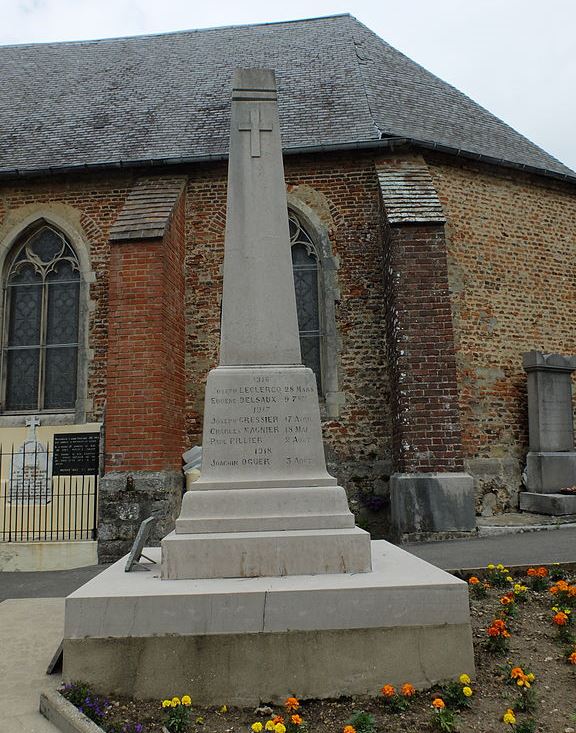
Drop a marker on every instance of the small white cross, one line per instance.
(255, 127)
(32, 423)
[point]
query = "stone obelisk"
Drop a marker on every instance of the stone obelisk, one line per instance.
(265, 504)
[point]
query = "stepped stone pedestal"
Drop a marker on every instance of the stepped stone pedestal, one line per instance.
(266, 587)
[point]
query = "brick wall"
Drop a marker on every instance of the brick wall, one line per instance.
(145, 403)
(426, 426)
(512, 273)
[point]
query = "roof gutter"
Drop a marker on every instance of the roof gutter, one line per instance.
(388, 144)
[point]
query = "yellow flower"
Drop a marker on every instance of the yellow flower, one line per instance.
(166, 703)
(269, 725)
(186, 700)
(509, 717)
(530, 677)
(175, 702)
(467, 691)
(509, 578)
(499, 566)
(257, 727)
(224, 709)
(491, 567)
(279, 728)
(464, 679)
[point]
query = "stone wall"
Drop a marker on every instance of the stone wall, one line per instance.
(512, 271)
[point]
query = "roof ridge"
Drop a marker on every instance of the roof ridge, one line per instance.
(183, 31)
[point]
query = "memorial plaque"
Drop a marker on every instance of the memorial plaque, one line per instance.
(76, 454)
(30, 475)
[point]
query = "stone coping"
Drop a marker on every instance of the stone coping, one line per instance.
(401, 590)
(65, 716)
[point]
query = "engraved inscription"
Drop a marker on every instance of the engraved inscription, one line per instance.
(263, 422)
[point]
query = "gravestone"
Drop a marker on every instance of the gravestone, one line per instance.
(551, 460)
(30, 473)
(266, 588)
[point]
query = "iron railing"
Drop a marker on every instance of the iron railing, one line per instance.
(36, 505)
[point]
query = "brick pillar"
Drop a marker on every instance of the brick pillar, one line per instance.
(429, 490)
(145, 402)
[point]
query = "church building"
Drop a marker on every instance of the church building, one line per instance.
(432, 247)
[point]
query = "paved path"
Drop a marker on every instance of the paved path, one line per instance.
(527, 548)
(30, 631)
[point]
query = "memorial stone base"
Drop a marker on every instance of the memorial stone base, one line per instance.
(247, 640)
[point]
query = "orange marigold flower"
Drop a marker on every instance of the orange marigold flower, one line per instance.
(560, 619)
(296, 720)
(506, 600)
(277, 719)
(506, 634)
(516, 672)
(531, 572)
(542, 572)
(349, 729)
(438, 703)
(291, 703)
(388, 691)
(572, 658)
(492, 631)
(572, 591)
(408, 690)
(473, 580)
(499, 624)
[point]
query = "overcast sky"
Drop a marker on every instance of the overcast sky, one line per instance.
(517, 58)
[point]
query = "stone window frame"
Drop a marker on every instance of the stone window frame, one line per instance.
(78, 241)
(332, 398)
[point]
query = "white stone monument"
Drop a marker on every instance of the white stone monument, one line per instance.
(265, 504)
(266, 586)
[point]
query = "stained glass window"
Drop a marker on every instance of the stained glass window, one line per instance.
(306, 284)
(40, 350)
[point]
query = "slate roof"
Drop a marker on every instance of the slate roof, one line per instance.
(167, 97)
(408, 192)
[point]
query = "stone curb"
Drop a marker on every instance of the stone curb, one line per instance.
(65, 716)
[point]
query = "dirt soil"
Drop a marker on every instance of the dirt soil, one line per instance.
(534, 645)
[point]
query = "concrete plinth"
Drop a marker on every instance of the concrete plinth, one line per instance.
(247, 640)
(546, 473)
(254, 554)
(432, 502)
(548, 503)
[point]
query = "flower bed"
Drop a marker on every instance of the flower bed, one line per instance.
(525, 650)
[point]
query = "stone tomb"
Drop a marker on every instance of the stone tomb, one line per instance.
(266, 587)
(551, 461)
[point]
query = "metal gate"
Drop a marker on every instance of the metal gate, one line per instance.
(36, 505)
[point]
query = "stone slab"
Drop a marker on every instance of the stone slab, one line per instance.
(255, 554)
(335, 634)
(401, 590)
(251, 510)
(550, 416)
(261, 429)
(45, 556)
(557, 504)
(432, 502)
(546, 473)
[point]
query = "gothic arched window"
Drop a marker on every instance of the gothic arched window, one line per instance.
(41, 324)
(307, 285)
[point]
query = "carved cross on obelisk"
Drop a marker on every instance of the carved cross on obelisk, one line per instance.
(255, 126)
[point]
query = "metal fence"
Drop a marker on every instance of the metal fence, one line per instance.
(36, 505)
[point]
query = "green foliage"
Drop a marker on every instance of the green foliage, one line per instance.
(91, 705)
(454, 697)
(444, 720)
(525, 726)
(363, 722)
